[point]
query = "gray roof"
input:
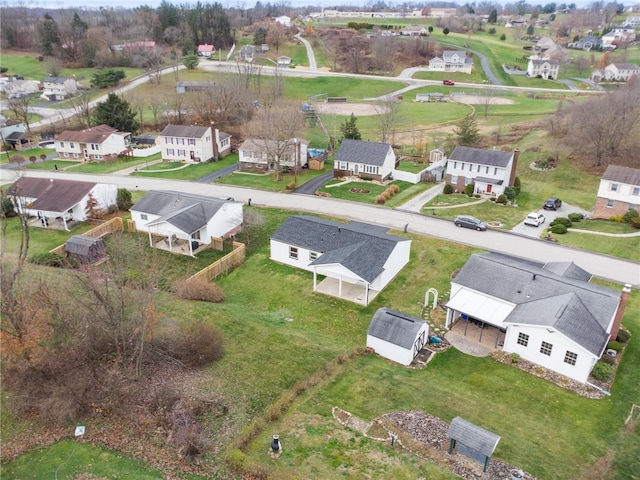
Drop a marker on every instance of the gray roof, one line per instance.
(52, 195)
(569, 270)
(473, 436)
(55, 79)
(580, 310)
(360, 247)
(492, 158)
(186, 131)
(395, 327)
(357, 151)
(628, 175)
(184, 211)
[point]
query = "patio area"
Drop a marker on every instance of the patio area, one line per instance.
(475, 338)
(350, 292)
(50, 223)
(179, 246)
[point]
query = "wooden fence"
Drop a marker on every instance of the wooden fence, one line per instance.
(233, 259)
(100, 231)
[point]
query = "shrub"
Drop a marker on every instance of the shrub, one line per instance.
(502, 199)
(617, 346)
(575, 217)
(380, 200)
(616, 218)
(515, 358)
(630, 215)
(469, 189)
(517, 185)
(492, 31)
(559, 229)
(623, 336)
(602, 371)
(561, 221)
(448, 189)
(503, 37)
(291, 186)
(195, 345)
(395, 188)
(200, 289)
(123, 200)
(53, 260)
(635, 223)
(608, 359)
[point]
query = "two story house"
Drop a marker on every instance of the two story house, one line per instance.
(191, 143)
(258, 154)
(546, 68)
(20, 88)
(619, 192)
(370, 160)
(615, 72)
(97, 143)
(59, 88)
(489, 170)
(451, 61)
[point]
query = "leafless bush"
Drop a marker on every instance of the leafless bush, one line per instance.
(200, 289)
(197, 345)
(187, 435)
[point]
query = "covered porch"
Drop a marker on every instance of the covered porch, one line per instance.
(475, 337)
(334, 287)
(178, 245)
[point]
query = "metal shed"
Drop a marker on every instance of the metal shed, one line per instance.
(475, 441)
(396, 335)
(86, 250)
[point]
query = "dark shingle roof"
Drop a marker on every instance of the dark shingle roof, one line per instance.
(569, 270)
(357, 151)
(540, 293)
(628, 175)
(395, 327)
(492, 158)
(360, 247)
(186, 131)
(51, 195)
(473, 436)
(184, 211)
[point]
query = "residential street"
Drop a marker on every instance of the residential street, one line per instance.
(604, 266)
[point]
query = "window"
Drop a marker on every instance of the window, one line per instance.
(546, 348)
(181, 153)
(181, 141)
(462, 166)
(75, 155)
(523, 339)
(293, 253)
(468, 180)
(614, 187)
(94, 146)
(61, 144)
(171, 151)
(98, 157)
(478, 169)
(72, 145)
(454, 179)
(611, 203)
(192, 141)
(168, 140)
(570, 358)
(487, 170)
(495, 171)
(370, 169)
(143, 216)
(313, 256)
(635, 191)
(66, 154)
(455, 164)
(342, 165)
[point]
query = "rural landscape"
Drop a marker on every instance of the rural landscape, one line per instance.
(231, 243)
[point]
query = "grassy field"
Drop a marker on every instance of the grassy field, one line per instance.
(299, 332)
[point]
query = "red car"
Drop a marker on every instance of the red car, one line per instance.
(447, 82)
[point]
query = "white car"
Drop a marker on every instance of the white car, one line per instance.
(535, 219)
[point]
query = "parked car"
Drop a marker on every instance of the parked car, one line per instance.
(552, 203)
(447, 82)
(468, 221)
(535, 219)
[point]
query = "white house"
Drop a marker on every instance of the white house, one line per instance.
(63, 201)
(206, 50)
(59, 88)
(21, 88)
(97, 143)
(373, 160)
(182, 216)
(619, 192)
(452, 61)
(396, 335)
(247, 53)
(414, 31)
(283, 20)
(489, 170)
(258, 154)
(619, 35)
(353, 257)
(545, 68)
(190, 143)
(615, 72)
(13, 133)
(551, 314)
(283, 61)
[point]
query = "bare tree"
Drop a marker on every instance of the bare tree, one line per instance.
(384, 49)
(249, 74)
(176, 108)
(156, 104)
(276, 36)
(81, 107)
(54, 66)
(153, 66)
(488, 99)
(20, 108)
(388, 117)
(276, 131)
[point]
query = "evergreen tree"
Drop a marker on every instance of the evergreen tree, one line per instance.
(446, 31)
(493, 17)
(116, 112)
(191, 61)
(466, 132)
(349, 128)
(48, 34)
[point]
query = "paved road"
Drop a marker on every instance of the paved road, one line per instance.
(310, 54)
(603, 266)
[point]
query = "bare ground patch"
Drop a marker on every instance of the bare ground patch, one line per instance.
(358, 109)
(480, 99)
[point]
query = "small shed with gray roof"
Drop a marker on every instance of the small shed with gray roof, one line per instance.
(396, 335)
(367, 160)
(474, 441)
(86, 250)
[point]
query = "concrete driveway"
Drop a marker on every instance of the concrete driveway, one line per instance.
(550, 215)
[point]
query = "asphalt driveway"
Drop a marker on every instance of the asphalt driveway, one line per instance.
(550, 215)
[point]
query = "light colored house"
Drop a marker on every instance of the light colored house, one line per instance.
(619, 35)
(372, 160)
(258, 154)
(191, 143)
(182, 216)
(357, 260)
(97, 143)
(452, 61)
(545, 68)
(550, 313)
(247, 53)
(619, 192)
(414, 31)
(146, 46)
(206, 50)
(13, 133)
(63, 201)
(59, 88)
(184, 87)
(620, 72)
(489, 170)
(283, 61)
(21, 88)
(396, 335)
(283, 20)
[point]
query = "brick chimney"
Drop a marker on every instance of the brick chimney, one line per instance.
(216, 139)
(617, 320)
(514, 167)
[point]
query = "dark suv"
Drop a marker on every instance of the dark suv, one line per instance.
(552, 203)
